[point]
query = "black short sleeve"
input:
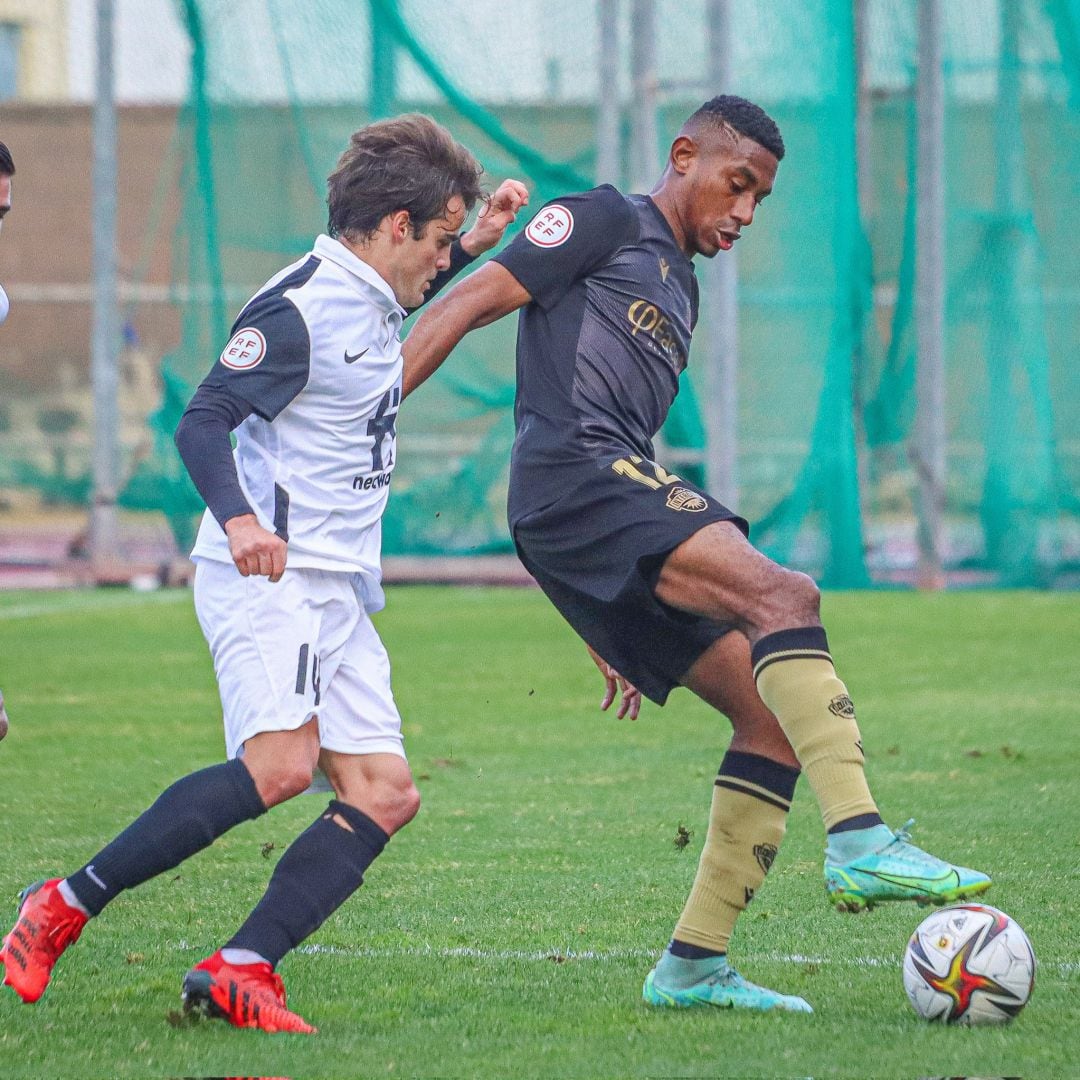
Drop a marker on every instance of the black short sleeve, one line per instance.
(202, 438)
(567, 239)
(267, 359)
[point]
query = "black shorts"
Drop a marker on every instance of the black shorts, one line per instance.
(597, 553)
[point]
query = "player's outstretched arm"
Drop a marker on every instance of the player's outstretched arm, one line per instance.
(495, 216)
(481, 298)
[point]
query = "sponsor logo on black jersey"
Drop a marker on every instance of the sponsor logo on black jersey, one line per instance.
(649, 321)
(681, 498)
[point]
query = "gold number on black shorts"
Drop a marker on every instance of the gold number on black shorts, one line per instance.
(628, 467)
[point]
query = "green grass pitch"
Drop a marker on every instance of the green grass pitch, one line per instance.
(506, 932)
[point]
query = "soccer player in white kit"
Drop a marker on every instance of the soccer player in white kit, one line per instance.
(288, 570)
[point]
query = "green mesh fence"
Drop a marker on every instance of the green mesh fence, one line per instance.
(826, 289)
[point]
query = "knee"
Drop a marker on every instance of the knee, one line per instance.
(792, 599)
(390, 804)
(281, 781)
(805, 594)
(394, 806)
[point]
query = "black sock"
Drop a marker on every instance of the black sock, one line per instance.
(860, 821)
(685, 951)
(319, 871)
(187, 817)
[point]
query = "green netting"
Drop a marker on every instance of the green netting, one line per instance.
(827, 306)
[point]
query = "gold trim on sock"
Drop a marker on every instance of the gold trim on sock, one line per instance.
(750, 788)
(791, 654)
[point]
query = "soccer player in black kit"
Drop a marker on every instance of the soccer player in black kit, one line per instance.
(653, 573)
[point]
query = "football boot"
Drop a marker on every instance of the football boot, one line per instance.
(46, 926)
(899, 870)
(725, 988)
(244, 995)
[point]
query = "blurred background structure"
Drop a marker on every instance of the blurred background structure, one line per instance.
(885, 381)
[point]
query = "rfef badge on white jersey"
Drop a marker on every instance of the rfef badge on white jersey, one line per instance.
(551, 227)
(245, 350)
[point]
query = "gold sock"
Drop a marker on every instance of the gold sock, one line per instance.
(750, 803)
(796, 679)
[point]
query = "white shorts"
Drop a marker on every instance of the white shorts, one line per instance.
(301, 647)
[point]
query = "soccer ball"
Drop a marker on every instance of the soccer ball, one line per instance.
(969, 964)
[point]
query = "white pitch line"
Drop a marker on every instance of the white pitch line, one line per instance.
(604, 956)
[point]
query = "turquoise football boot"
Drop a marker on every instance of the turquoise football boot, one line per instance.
(725, 988)
(898, 870)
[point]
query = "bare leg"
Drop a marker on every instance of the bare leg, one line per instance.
(724, 679)
(719, 574)
(379, 785)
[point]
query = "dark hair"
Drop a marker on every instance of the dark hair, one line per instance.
(745, 117)
(407, 163)
(7, 166)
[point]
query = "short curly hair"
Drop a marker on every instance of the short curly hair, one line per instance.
(744, 117)
(7, 166)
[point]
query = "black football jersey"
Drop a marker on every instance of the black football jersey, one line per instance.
(602, 344)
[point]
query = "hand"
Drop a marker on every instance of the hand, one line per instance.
(630, 703)
(495, 216)
(254, 549)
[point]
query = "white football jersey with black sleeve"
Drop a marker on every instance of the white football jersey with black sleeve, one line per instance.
(316, 354)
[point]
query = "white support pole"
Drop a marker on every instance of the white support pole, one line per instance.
(721, 281)
(929, 446)
(863, 111)
(643, 62)
(608, 112)
(104, 366)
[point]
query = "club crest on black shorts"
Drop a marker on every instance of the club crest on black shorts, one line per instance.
(681, 498)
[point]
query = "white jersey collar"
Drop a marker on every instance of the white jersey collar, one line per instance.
(327, 247)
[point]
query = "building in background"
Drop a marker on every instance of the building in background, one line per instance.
(209, 206)
(33, 50)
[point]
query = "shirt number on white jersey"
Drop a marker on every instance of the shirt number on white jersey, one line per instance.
(383, 424)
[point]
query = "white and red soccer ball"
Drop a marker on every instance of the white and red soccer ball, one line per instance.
(970, 964)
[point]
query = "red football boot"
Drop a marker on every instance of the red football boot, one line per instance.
(245, 995)
(45, 928)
